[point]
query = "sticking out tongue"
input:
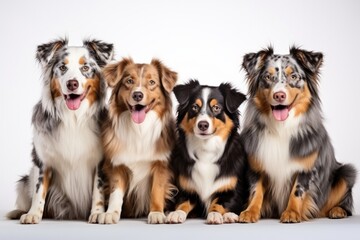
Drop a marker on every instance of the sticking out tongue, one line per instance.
(138, 114)
(73, 102)
(280, 113)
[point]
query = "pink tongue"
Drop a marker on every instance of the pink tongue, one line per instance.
(73, 104)
(281, 115)
(138, 116)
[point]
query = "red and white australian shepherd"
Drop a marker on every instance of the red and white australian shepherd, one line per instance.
(138, 138)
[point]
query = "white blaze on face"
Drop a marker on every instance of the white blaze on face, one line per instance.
(203, 116)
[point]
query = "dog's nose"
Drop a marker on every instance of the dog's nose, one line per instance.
(203, 125)
(137, 96)
(72, 85)
(279, 96)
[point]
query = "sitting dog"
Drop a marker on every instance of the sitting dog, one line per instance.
(295, 174)
(67, 142)
(138, 138)
(209, 161)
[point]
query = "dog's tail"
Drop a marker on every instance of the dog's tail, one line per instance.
(23, 201)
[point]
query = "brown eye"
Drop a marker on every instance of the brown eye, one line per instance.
(84, 68)
(63, 68)
(152, 82)
(195, 107)
(216, 109)
(294, 77)
(267, 77)
(130, 81)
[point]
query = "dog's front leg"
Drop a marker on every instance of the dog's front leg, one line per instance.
(35, 213)
(160, 183)
(98, 196)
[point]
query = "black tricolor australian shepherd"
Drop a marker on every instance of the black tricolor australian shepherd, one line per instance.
(295, 173)
(138, 138)
(209, 161)
(66, 143)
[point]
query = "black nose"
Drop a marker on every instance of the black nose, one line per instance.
(203, 125)
(137, 96)
(72, 85)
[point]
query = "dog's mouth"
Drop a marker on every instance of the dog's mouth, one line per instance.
(73, 101)
(138, 111)
(281, 112)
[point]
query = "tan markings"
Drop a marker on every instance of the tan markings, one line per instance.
(168, 78)
(223, 129)
(198, 102)
(66, 61)
(188, 124)
(303, 99)
(113, 72)
(119, 176)
(288, 70)
(159, 185)
(255, 164)
(308, 162)
(55, 88)
(166, 142)
(230, 186)
(46, 182)
(82, 60)
(215, 207)
(309, 208)
(213, 102)
(253, 211)
(336, 194)
(272, 71)
(92, 85)
(185, 184)
(337, 212)
(100, 203)
(261, 101)
(292, 214)
(185, 206)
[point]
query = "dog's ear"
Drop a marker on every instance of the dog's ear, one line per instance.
(182, 92)
(233, 98)
(46, 52)
(309, 60)
(168, 78)
(113, 72)
(102, 52)
(254, 61)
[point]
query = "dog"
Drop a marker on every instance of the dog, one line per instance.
(138, 138)
(67, 141)
(295, 176)
(208, 161)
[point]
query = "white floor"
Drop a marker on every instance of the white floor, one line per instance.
(344, 229)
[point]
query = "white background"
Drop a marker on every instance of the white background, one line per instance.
(198, 39)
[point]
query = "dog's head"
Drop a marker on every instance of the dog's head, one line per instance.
(208, 111)
(140, 88)
(73, 73)
(283, 85)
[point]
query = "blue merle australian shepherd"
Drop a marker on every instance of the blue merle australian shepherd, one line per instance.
(66, 143)
(295, 174)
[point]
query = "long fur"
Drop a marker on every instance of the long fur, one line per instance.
(290, 152)
(66, 143)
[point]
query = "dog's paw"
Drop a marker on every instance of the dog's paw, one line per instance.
(290, 216)
(94, 217)
(230, 217)
(337, 212)
(214, 218)
(30, 218)
(178, 216)
(108, 218)
(156, 218)
(249, 216)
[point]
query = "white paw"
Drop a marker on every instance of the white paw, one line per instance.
(178, 216)
(214, 218)
(30, 218)
(156, 217)
(230, 217)
(108, 218)
(94, 217)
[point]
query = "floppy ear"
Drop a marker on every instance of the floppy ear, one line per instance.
(102, 52)
(168, 78)
(233, 98)
(182, 92)
(254, 61)
(112, 72)
(311, 61)
(46, 52)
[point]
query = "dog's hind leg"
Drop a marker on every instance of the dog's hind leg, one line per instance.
(339, 203)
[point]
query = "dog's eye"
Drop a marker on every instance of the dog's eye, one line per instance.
(294, 77)
(85, 68)
(152, 82)
(130, 81)
(216, 109)
(195, 107)
(267, 77)
(63, 68)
